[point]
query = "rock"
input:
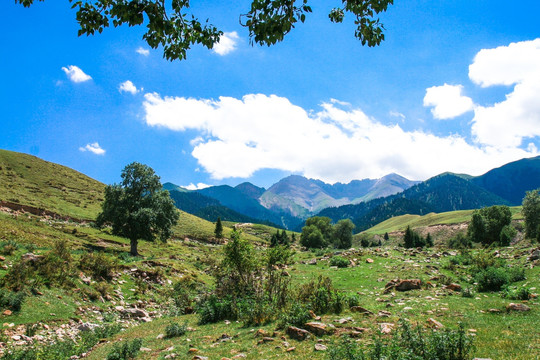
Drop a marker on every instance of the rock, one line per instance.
(320, 347)
(267, 339)
(494, 311)
(160, 336)
(33, 258)
(199, 357)
(261, 333)
(316, 328)
(16, 337)
(361, 310)
(434, 323)
(386, 328)
(535, 255)
(369, 261)
(297, 333)
(87, 327)
(453, 287)
(406, 285)
(517, 307)
(193, 351)
(7, 312)
(383, 313)
(312, 262)
(2, 258)
(291, 349)
(134, 313)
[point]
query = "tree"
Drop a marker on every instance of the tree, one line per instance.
(138, 208)
(531, 214)
(170, 25)
(487, 224)
(343, 234)
(317, 233)
(218, 231)
(412, 239)
(386, 237)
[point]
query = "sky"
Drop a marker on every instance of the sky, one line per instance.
(454, 87)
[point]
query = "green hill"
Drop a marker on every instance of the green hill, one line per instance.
(28, 180)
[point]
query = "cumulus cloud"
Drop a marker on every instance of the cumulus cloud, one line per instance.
(198, 186)
(227, 43)
(75, 74)
(93, 148)
(129, 87)
(237, 137)
(447, 101)
(142, 51)
(509, 122)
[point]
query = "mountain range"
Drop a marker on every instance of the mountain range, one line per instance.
(366, 202)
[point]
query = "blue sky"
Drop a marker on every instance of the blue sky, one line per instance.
(455, 87)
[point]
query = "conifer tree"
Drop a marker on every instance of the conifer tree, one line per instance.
(218, 232)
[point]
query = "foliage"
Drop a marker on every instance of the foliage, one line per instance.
(317, 233)
(125, 351)
(492, 279)
(339, 261)
(531, 214)
(98, 265)
(343, 234)
(412, 239)
(321, 296)
(279, 238)
(176, 30)
(239, 265)
(517, 293)
(297, 315)
(487, 223)
(278, 255)
(137, 208)
(175, 330)
(184, 294)
(213, 309)
(410, 344)
(63, 348)
(218, 232)
(11, 300)
(459, 241)
(508, 233)
(386, 237)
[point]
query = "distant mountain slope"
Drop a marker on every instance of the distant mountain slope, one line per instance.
(303, 197)
(246, 205)
(512, 180)
(445, 192)
(250, 190)
(28, 180)
(170, 187)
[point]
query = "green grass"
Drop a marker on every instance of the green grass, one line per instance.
(28, 180)
(399, 223)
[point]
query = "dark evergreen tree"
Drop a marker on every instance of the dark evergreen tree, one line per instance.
(429, 240)
(386, 237)
(218, 231)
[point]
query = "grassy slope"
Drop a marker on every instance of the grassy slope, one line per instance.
(28, 180)
(399, 223)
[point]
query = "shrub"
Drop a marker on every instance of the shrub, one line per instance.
(98, 265)
(339, 261)
(517, 293)
(9, 248)
(175, 330)
(256, 312)
(459, 241)
(184, 293)
(467, 292)
(125, 351)
(212, 309)
(297, 316)
(508, 233)
(11, 300)
(492, 279)
(353, 300)
(321, 296)
(516, 274)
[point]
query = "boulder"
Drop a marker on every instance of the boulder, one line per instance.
(434, 324)
(320, 347)
(361, 310)
(517, 307)
(134, 313)
(316, 328)
(297, 333)
(386, 328)
(406, 285)
(453, 287)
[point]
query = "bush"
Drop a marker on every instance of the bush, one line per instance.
(11, 300)
(492, 279)
(508, 233)
(98, 265)
(459, 241)
(516, 274)
(125, 351)
(321, 296)
(517, 293)
(175, 330)
(256, 312)
(353, 300)
(212, 309)
(339, 261)
(9, 248)
(467, 292)
(184, 293)
(297, 316)
(418, 344)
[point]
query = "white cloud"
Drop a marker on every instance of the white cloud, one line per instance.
(199, 186)
(75, 74)
(227, 43)
(142, 51)
(509, 122)
(238, 137)
(397, 114)
(94, 148)
(447, 101)
(129, 87)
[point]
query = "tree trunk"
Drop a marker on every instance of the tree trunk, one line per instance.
(133, 250)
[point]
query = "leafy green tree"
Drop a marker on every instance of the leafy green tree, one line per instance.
(317, 233)
(343, 234)
(531, 213)
(218, 231)
(487, 223)
(138, 208)
(169, 23)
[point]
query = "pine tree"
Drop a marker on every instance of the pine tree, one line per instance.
(386, 237)
(218, 232)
